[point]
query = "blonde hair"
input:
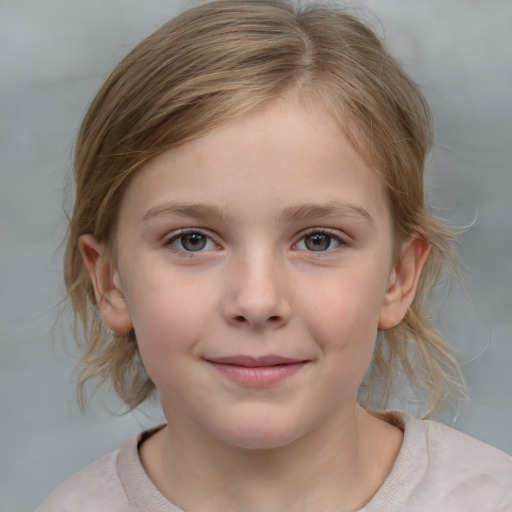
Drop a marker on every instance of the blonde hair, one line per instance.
(226, 58)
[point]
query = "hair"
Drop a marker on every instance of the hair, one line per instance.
(227, 58)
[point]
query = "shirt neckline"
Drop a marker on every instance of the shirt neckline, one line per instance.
(143, 495)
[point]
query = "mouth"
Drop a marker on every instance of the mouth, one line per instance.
(257, 371)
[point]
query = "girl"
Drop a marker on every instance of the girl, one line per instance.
(250, 237)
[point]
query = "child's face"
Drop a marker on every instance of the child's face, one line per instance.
(268, 241)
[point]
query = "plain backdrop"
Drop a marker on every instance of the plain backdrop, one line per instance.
(54, 56)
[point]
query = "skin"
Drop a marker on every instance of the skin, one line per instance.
(255, 195)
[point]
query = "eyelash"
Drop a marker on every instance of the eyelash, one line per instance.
(331, 234)
(188, 232)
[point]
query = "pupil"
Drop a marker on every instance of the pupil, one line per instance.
(193, 242)
(318, 242)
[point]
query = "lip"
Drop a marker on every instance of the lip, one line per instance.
(257, 371)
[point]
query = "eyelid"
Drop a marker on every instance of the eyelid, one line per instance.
(334, 233)
(178, 233)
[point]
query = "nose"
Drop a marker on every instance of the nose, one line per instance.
(257, 294)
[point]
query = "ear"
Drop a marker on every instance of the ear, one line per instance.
(403, 282)
(106, 282)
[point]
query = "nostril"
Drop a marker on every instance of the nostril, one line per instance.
(242, 319)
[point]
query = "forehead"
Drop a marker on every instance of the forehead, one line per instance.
(264, 162)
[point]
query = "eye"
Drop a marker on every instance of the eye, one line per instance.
(193, 241)
(318, 241)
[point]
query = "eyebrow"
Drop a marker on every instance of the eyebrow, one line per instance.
(331, 209)
(307, 211)
(198, 211)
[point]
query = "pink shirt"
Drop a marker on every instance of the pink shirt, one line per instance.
(438, 469)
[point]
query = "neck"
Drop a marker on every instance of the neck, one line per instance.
(308, 474)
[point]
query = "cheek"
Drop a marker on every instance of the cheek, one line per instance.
(169, 319)
(342, 317)
(344, 308)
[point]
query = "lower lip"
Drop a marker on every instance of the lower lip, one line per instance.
(258, 376)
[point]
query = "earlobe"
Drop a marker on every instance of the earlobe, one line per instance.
(107, 286)
(403, 282)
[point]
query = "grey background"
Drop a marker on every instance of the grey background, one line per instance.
(54, 55)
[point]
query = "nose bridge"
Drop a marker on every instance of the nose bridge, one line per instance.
(257, 294)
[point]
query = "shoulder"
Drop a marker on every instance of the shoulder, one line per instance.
(451, 449)
(115, 483)
(440, 468)
(467, 468)
(96, 487)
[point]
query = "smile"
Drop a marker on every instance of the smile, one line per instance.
(257, 372)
